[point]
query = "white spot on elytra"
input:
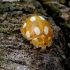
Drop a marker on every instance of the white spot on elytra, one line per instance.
(35, 39)
(41, 17)
(24, 25)
(46, 30)
(42, 36)
(37, 30)
(49, 38)
(33, 18)
(28, 34)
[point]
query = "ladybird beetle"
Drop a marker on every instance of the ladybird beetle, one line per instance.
(38, 31)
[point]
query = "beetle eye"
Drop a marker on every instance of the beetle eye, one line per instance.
(48, 48)
(39, 48)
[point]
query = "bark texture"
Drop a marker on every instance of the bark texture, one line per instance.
(16, 53)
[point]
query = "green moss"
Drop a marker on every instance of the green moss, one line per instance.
(1, 61)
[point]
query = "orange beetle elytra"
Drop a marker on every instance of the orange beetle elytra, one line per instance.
(38, 31)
